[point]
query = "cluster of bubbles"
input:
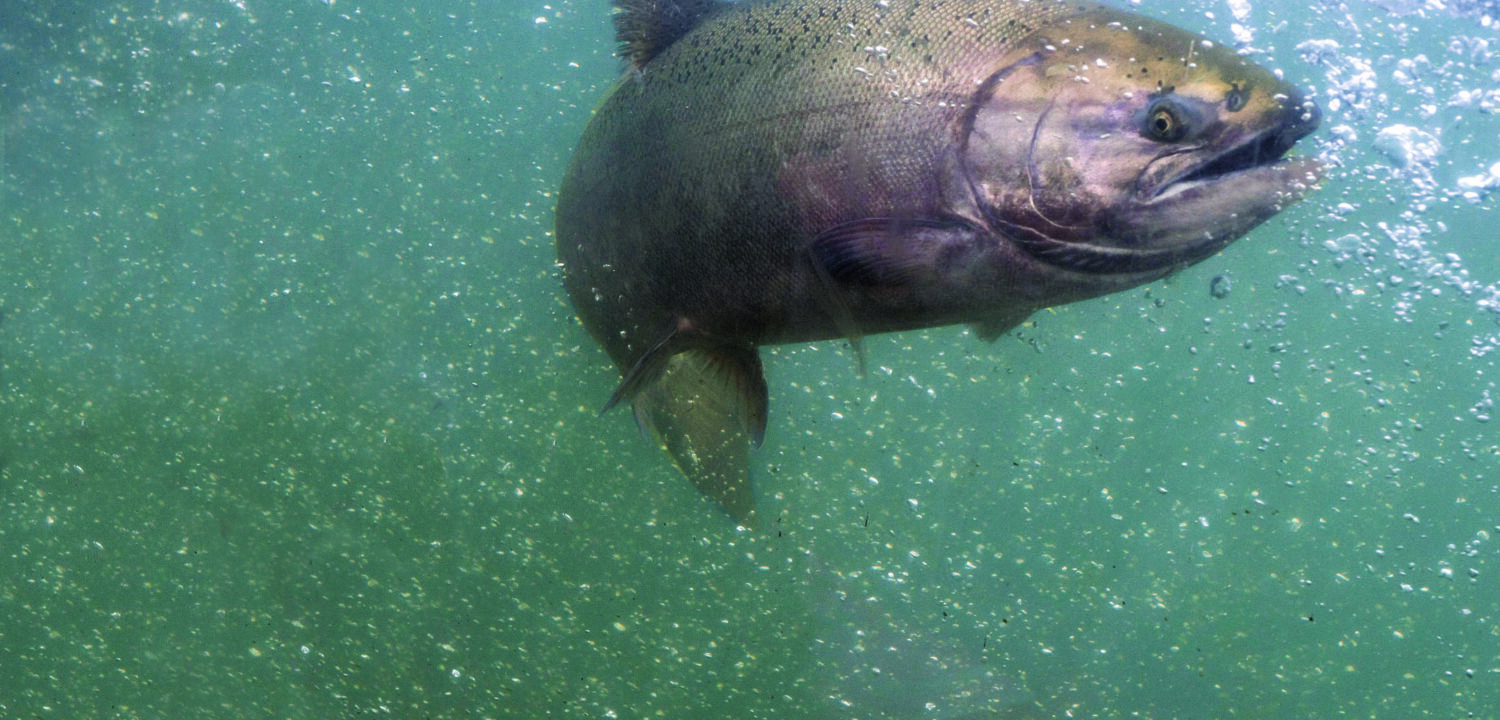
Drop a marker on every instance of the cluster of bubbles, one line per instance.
(1412, 111)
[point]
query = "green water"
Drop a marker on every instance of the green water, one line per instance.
(295, 420)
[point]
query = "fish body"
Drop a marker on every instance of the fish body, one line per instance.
(770, 171)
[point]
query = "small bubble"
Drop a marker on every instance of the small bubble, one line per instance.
(1220, 286)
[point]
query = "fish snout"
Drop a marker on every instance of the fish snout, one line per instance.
(1301, 117)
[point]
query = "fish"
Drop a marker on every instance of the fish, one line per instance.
(767, 172)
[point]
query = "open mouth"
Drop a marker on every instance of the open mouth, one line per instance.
(1267, 149)
(1213, 199)
(1209, 205)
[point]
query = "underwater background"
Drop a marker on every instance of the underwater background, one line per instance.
(296, 420)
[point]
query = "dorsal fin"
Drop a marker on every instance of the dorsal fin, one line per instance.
(644, 28)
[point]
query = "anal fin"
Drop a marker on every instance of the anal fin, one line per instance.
(990, 329)
(707, 406)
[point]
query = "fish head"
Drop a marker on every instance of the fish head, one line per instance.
(1119, 148)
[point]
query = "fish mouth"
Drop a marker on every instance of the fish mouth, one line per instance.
(1263, 151)
(1200, 209)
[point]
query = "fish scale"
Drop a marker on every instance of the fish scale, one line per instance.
(774, 171)
(896, 113)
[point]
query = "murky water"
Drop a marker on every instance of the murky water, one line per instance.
(295, 420)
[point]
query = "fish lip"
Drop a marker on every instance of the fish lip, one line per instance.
(1182, 227)
(1279, 173)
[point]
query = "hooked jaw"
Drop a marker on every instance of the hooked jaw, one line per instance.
(1260, 153)
(1180, 217)
(1210, 203)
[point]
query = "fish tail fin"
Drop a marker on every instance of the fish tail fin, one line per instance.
(707, 407)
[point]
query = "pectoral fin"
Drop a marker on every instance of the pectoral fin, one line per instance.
(707, 405)
(879, 252)
(868, 253)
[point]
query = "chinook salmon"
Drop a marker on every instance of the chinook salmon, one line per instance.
(779, 171)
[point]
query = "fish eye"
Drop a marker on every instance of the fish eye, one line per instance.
(1165, 121)
(1235, 99)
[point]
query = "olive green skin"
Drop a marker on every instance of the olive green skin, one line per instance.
(705, 176)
